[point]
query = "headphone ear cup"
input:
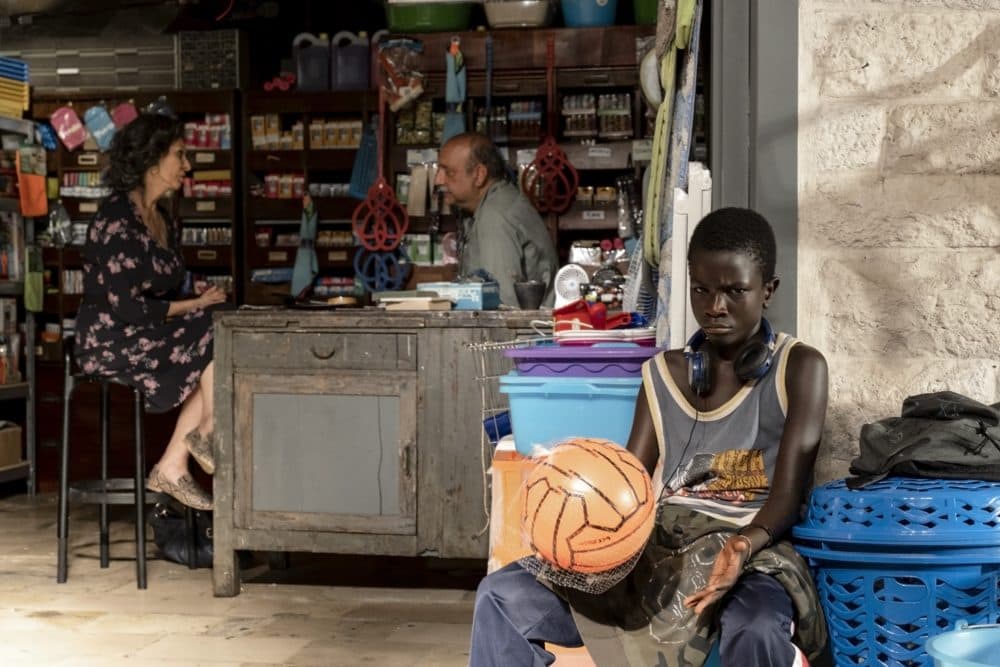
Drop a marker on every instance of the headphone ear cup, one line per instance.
(699, 373)
(753, 361)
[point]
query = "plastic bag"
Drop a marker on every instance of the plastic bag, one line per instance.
(402, 83)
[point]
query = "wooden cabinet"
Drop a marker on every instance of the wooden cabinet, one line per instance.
(350, 433)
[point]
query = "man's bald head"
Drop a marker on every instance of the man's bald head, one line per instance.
(481, 151)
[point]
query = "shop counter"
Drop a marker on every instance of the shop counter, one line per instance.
(352, 431)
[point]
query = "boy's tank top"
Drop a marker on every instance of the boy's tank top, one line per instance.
(720, 461)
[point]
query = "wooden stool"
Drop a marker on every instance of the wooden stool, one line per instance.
(105, 491)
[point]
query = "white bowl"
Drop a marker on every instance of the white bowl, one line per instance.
(519, 13)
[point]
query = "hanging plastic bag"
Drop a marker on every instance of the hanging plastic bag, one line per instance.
(100, 125)
(31, 180)
(68, 127)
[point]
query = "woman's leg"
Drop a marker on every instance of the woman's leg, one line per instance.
(170, 474)
(206, 386)
(174, 461)
(755, 628)
(514, 616)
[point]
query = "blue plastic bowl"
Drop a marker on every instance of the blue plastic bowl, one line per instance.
(966, 646)
(589, 13)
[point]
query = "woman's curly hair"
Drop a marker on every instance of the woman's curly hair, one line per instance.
(139, 146)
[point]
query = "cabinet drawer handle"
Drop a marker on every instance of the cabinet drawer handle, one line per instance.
(324, 357)
(597, 78)
(507, 86)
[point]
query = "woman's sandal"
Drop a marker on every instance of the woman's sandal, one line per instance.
(201, 448)
(185, 489)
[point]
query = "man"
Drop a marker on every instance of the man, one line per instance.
(728, 428)
(505, 235)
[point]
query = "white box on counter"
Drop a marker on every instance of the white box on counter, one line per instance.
(467, 296)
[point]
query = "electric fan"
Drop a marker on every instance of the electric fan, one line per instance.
(567, 284)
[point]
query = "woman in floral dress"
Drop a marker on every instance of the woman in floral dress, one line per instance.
(131, 326)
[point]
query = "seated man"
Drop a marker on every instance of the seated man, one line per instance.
(728, 428)
(505, 235)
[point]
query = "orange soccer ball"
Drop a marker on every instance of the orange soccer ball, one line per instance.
(588, 506)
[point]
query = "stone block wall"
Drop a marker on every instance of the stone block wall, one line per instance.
(899, 204)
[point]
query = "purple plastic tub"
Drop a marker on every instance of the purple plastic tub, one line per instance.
(610, 360)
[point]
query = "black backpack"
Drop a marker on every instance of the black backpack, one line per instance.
(942, 435)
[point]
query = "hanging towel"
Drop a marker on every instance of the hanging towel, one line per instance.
(34, 288)
(306, 263)
(454, 94)
(677, 168)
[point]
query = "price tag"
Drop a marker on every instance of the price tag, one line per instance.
(599, 152)
(642, 150)
(207, 255)
(204, 206)
(525, 156)
(336, 256)
(277, 256)
(86, 159)
(593, 214)
(88, 207)
(204, 158)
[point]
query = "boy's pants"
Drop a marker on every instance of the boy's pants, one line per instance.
(515, 616)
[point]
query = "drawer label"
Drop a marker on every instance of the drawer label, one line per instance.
(337, 256)
(593, 215)
(204, 158)
(88, 207)
(599, 151)
(207, 254)
(277, 256)
(86, 159)
(204, 206)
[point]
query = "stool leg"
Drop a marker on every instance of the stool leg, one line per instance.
(140, 495)
(191, 527)
(105, 427)
(63, 519)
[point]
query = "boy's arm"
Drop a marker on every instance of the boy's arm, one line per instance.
(806, 380)
(642, 438)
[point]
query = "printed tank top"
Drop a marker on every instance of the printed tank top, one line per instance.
(720, 461)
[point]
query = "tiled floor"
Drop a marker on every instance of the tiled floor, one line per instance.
(99, 618)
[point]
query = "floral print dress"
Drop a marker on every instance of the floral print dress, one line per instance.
(122, 326)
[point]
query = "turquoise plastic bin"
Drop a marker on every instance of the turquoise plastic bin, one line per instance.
(547, 410)
(966, 646)
(589, 13)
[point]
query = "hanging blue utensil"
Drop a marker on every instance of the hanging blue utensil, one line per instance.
(306, 263)
(454, 94)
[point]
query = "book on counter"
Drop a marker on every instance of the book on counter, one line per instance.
(412, 300)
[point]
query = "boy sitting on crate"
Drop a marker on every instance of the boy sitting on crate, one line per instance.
(728, 428)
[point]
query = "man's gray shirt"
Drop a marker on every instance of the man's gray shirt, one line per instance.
(507, 238)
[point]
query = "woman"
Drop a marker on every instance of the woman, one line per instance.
(130, 325)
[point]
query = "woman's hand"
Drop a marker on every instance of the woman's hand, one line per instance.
(210, 297)
(725, 572)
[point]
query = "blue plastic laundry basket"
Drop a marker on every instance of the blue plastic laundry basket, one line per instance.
(901, 561)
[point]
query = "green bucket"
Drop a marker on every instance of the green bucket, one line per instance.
(429, 16)
(645, 11)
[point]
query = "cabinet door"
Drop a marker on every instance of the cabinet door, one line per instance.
(331, 452)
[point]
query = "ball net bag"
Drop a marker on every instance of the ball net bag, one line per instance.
(588, 512)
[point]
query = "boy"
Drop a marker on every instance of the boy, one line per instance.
(728, 428)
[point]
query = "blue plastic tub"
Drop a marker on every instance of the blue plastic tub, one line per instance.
(589, 13)
(547, 410)
(966, 646)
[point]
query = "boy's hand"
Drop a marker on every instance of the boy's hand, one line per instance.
(725, 572)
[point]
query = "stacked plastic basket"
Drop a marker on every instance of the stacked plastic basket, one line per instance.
(557, 392)
(900, 561)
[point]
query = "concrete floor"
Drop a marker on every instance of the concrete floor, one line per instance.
(99, 618)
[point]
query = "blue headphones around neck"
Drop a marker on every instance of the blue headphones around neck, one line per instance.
(751, 363)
